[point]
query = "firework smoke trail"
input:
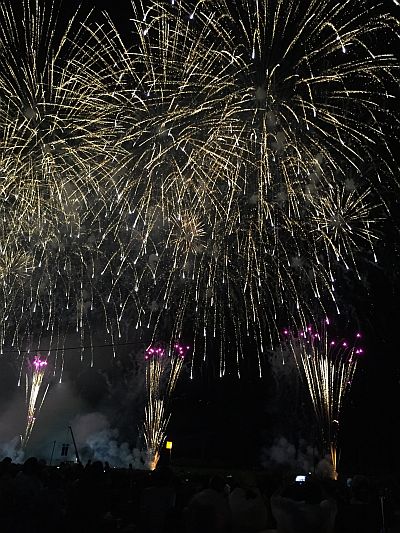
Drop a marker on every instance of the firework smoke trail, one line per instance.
(328, 367)
(35, 396)
(219, 169)
(162, 372)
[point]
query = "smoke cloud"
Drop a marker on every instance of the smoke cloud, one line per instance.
(283, 453)
(98, 441)
(103, 406)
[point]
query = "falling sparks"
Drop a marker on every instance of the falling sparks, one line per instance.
(328, 366)
(36, 391)
(221, 168)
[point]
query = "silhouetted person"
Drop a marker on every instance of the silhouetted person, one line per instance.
(5, 464)
(303, 508)
(7, 511)
(157, 501)
(208, 510)
(53, 501)
(362, 513)
(248, 508)
(28, 489)
(88, 499)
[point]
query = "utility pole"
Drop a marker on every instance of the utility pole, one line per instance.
(52, 452)
(76, 449)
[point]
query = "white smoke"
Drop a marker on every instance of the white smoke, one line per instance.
(13, 450)
(324, 468)
(12, 424)
(97, 441)
(284, 453)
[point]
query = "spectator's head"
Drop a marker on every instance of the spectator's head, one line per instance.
(31, 466)
(6, 465)
(217, 483)
(97, 467)
(360, 488)
(204, 515)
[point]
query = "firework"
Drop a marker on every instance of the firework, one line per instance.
(212, 172)
(35, 394)
(162, 371)
(61, 265)
(253, 131)
(327, 366)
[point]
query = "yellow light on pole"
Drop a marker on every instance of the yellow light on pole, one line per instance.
(168, 446)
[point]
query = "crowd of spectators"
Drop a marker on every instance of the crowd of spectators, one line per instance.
(76, 498)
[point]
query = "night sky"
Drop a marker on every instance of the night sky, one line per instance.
(232, 422)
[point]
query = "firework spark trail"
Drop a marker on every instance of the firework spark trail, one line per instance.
(328, 367)
(218, 169)
(35, 395)
(61, 266)
(162, 372)
(256, 122)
